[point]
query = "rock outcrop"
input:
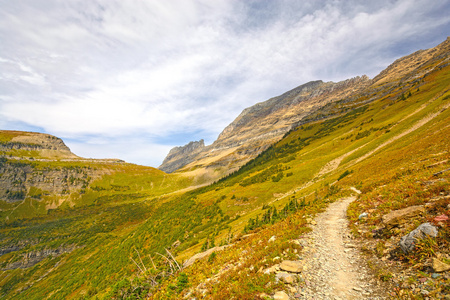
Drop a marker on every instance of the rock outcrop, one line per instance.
(259, 126)
(31, 258)
(263, 124)
(26, 169)
(181, 156)
(19, 180)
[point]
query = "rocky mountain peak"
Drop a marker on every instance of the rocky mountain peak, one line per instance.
(181, 156)
(260, 125)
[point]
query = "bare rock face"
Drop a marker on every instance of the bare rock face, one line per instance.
(19, 180)
(263, 124)
(259, 126)
(181, 156)
(20, 177)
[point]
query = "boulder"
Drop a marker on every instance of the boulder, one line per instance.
(291, 266)
(407, 242)
(281, 295)
(439, 266)
(397, 217)
(363, 215)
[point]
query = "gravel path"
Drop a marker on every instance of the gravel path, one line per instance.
(333, 267)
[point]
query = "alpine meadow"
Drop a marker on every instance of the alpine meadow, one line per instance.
(250, 216)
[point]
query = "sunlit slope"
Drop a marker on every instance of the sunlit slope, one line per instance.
(388, 142)
(395, 149)
(386, 138)
(57, 209)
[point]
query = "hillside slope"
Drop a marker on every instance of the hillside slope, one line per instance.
(129, 232)
(259, 126)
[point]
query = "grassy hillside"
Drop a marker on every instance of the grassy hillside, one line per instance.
(110, 239)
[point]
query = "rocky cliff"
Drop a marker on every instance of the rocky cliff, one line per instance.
(181, 156)
(26, 168)
(261, 125)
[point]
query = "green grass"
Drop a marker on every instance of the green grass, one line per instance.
(129, 209)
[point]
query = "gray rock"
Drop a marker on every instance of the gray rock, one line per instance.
(435, 275)
(363, 215)
(181, 156)
(407, 243)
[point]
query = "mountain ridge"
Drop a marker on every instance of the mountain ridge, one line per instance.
(260, 125)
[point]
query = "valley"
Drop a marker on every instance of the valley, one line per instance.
(324, 155)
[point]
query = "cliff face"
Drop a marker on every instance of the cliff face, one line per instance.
(259, 126)
(181, 156)
(25, 169)
(19, 180)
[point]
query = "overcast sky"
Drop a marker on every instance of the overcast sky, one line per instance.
(131, 79)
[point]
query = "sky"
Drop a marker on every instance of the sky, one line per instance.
(131, 79)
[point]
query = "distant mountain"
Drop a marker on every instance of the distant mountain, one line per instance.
(265, 123)
(45, 145)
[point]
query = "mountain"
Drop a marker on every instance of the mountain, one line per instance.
(44, 144)
(180, 156)
(259, 126)
(123, 231)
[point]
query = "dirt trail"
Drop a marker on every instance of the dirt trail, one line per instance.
(333, 268)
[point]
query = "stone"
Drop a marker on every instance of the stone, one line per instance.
(286, 277)
(291, 266)
(397, 217)
(280, 295)
(407, 242)
(435, 275)
(439, 266)
(272, 239)
(363, 215)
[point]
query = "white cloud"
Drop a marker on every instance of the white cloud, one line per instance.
(166, 68)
